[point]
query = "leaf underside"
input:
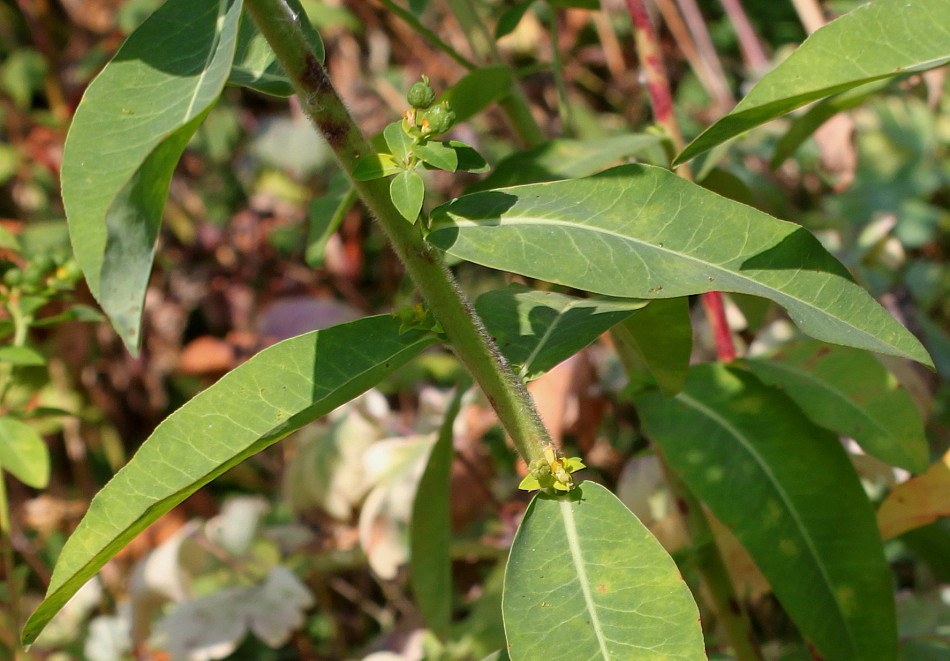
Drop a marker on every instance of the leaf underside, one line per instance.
(258, 403)
(638, 231)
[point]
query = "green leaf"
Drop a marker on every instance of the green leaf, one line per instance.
(500, 655)
(408, 191)
(638, 231)
(375, 166)
(255, 65)
(437, 154)
(9, 240)
(469, 159)
(536, 330)
(564, 159)
(477, 90)
(430, 530)
(126, 138)
(877, 40)
(21, 356)
(659, 340)
(326, 215)
(592, 5)
(23, 453)
(399, 142)
(812, 532)
(802, 127)
(586, 580)
(851, 393)
(511, 17)
(78, 312)
(258, 403)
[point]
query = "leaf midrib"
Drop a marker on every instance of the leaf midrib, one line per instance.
(573, 543)
(458, 221)
(738, 435)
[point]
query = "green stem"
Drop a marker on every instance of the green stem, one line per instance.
(563, 108)
(515, 105)
(464, 331)
(433, 38)
(6, 541)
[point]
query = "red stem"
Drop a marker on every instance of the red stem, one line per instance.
(658, 86)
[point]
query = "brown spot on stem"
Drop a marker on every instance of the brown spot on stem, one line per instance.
(682, 507)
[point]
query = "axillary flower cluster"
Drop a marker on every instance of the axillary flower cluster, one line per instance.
(424, 119)
(552, 473)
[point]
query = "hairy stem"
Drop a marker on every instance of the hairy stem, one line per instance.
(281, 26)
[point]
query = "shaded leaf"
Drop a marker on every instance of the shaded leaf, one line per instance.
(564, 159)
(736, 441)
(536, 330)
(23, 453)
(126, 138)
(326, 215)
(255, 65)
(477, 90)
(877, 40)
(917, 502)
(510, 19)
(437, 154)
(408, 191)
(276, 392)
(430, 531)
(659, 339)
(851, 393)
(592, 5)
(803, 127)
(586, 580)
(638, 231)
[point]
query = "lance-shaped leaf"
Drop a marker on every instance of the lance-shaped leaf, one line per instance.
(587, 580)
(917, 502)
(659, 340)
(877, 40)
(638, 231)
(812, 532)
(276, 392)
(430, 530)
(851, 393)
(126, 138)
(536, 330)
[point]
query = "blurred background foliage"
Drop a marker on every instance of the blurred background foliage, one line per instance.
(300, 552)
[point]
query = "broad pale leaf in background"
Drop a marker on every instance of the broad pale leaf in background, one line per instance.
(586, 580)
(536, 330)
(276, 392)
(736, 441)
(639, 231)
(877, 40)
(126, 138)
(851, 393)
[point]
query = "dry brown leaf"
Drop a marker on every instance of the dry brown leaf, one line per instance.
(917, 502)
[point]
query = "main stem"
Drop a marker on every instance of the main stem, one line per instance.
(281, 26)
(708, 557)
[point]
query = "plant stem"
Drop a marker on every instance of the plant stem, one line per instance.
(433, 38)
(709, 559)
(515, 105)
(563, 108)
(752, 51)
(468, 338)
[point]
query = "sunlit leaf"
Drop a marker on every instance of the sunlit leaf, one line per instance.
(638, 231)
(917, 502)
(126, 138)
(23, 453)
(276, 392)
(877, 40)
(408, 192)
(586, 580)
